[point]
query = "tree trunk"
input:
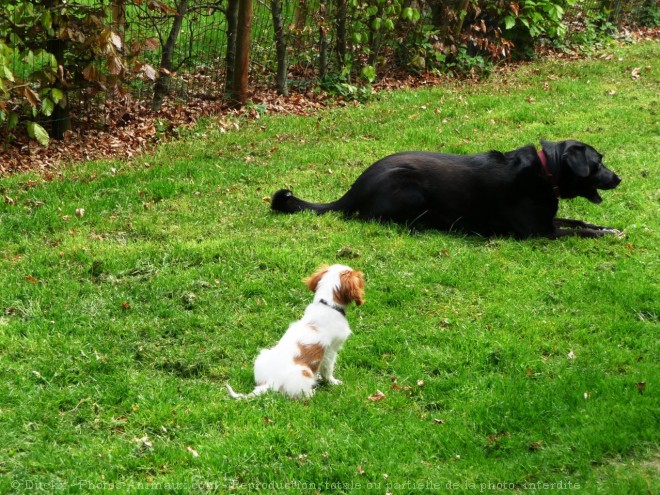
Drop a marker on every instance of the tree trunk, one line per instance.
(280, 47)
(461, 14)
(161, 88)
(60, 119)
(374, 39)
(232, 33)
(242, 66)
(300, 15)
(119, 17)
(341, 32)
(445, 15)
(323, 42)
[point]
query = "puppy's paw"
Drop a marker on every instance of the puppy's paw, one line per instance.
(333, 381)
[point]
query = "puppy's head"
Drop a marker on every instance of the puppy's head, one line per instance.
(342, 282)
(581, 170)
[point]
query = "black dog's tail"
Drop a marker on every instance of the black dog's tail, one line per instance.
(284, 201)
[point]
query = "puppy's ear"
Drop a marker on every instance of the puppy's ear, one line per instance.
(313, 281)
(576, 158)
(351, 288)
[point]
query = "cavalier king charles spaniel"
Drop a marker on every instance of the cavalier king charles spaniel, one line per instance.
(311, 344)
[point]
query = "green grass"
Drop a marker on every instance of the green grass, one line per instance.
(119, 328)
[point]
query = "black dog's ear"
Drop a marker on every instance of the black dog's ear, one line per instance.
(576, 158)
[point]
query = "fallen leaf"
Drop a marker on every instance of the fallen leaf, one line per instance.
(585, 395)
(360, 470)
(438, 421)
(535, 446)
(192, 451)
(125, 305)
(635, 73)
(348, 252)
(31, 279)
(571, 355)
(420, 383)
(80, 212)
(640, 386)
(378, 396)
(145, 442)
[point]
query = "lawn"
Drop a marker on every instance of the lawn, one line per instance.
(131, 292)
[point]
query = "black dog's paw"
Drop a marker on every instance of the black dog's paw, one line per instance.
(615, 232)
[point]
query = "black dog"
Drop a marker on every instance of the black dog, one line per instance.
(515, 193)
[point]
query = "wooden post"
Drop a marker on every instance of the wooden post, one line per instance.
(230, 59)
(240, 86)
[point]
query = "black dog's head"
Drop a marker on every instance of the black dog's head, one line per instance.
(579, 169)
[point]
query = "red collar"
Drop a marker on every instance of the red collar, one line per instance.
(549, 176)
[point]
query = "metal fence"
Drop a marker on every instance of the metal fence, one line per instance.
(198, 66)
(200, 56)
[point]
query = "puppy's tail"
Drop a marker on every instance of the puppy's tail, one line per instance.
(235, 395)
(285, 202)
(260, 389)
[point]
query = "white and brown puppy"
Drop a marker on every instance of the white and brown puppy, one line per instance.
(310, 345)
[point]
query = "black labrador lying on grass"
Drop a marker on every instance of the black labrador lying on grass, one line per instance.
(515, 193)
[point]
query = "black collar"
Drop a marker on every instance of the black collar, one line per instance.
(333, 306)
(551, 178)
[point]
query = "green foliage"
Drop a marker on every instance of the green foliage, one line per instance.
(464, 63)
(537, 17)
(647, 13)
(597, 31)
(339, 86)
(50, 48)
(371, 24)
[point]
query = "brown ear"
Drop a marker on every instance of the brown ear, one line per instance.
(351, 288)
(313, 280)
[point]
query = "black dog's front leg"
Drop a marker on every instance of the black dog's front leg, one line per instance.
(577, 224)
(581, 229)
